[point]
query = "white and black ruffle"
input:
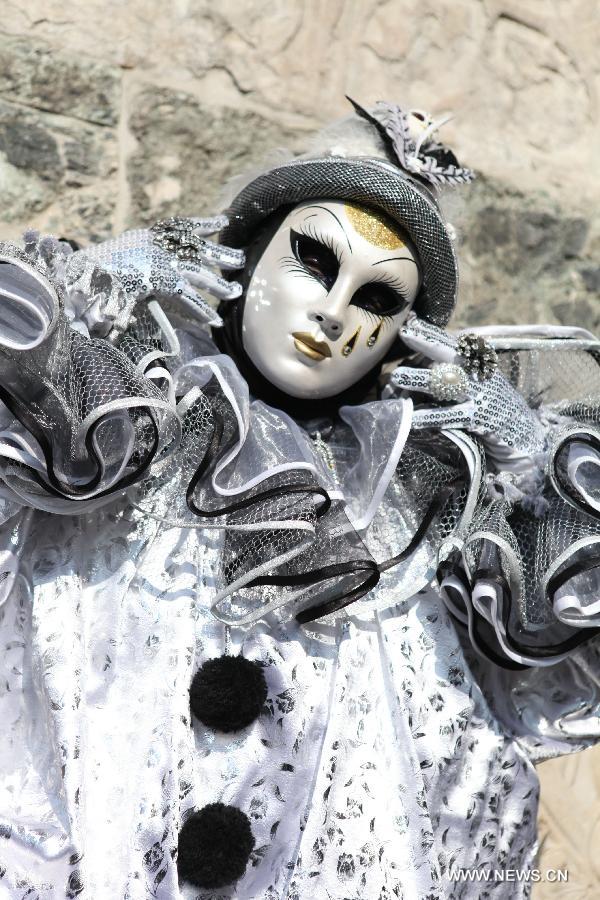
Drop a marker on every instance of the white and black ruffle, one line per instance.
(527, 581)
(311, 513)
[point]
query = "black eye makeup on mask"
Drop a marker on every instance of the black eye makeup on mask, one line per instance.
(321, 259)
(381, 297)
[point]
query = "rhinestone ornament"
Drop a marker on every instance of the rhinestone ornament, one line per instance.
(176, 235)
(448, 382)
(479, 357)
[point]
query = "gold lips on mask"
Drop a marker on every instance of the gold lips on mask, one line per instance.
(305, 343)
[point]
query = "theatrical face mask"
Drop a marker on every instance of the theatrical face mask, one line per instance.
(327, 297)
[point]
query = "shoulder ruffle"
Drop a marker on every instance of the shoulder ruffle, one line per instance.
(526, 583)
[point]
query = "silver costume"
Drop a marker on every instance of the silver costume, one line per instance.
(419, 581)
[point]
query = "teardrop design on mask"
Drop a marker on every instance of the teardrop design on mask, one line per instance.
(372, 339)
(28, 306)
(350, 343)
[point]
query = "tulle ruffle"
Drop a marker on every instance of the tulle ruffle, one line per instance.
(311, 514)
(526, 583)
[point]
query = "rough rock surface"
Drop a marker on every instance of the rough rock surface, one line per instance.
(185, 151)
(114, 114)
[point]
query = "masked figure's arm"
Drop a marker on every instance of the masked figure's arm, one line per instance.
(88, 401)
(528, 565)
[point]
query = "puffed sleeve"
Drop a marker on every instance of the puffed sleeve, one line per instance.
(526, 584)
(525, 587)
(79, 420)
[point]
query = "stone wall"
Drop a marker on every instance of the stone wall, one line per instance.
(116, 112)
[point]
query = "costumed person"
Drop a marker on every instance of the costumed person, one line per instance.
(296, 590)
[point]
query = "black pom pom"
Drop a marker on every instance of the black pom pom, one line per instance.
(228, 692)
(215, 844)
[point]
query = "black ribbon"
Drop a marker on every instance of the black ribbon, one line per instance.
(210, 456)
(493, 652)
(337, 603)
(569, 491)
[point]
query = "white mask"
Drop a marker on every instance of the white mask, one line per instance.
(327, 297)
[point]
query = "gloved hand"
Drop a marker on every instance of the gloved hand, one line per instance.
(465, 370)
(172, 259)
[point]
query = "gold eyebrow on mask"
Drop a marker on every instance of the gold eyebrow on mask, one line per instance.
(374, 226)
(316, 206)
